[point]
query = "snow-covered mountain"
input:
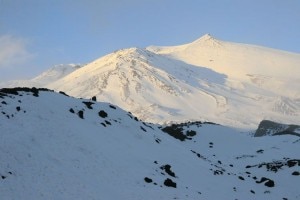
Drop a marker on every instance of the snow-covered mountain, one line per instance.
(209, 80)
(51, 75)
(57, 147)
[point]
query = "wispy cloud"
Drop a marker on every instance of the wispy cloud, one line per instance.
(13, 51)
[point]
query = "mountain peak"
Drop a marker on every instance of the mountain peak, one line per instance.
(206, 37)
(207, 40)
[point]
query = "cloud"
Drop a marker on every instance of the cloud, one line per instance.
(13, 51)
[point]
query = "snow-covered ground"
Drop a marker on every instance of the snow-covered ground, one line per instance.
(58, 147)
(210, 80)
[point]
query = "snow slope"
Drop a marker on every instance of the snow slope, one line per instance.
(232, 84)
(58, 147)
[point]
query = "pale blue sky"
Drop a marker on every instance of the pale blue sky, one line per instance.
(37, 34)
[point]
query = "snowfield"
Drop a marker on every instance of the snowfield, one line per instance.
(57, 147)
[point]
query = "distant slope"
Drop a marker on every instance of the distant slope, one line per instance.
(51, 75)
(55, 73)
(58, 147)
(232, 84)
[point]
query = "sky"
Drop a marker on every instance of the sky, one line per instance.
(38, 34)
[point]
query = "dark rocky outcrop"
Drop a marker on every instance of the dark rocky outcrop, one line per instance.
(88, 104)
(167, 169)
(16, 90)
(181, 132)
(277, 165)
(267, 127)
(169, 183)
(80, 114)
(148, 180)
(102, 114)
(113, 107)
